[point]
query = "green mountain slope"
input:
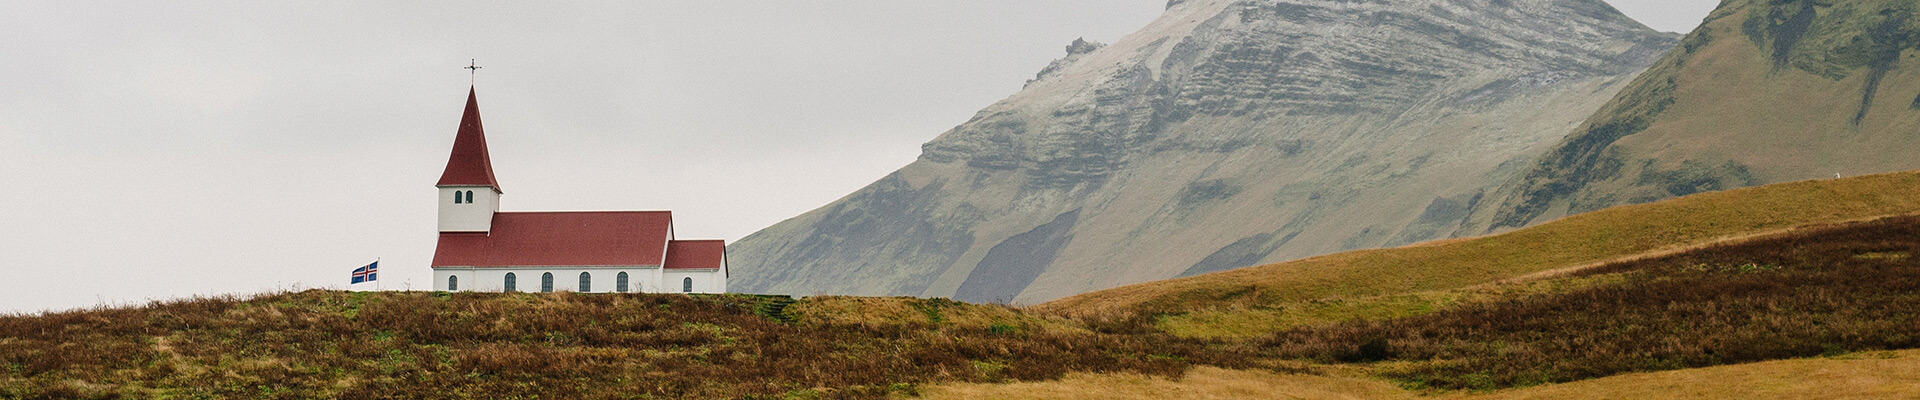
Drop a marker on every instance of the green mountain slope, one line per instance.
(1765, 91)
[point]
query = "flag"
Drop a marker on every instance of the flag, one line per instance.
(367, 274)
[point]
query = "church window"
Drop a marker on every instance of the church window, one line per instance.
(686, 285)
(457, 198)
(469, 197)
(620, 282)
(453, 283)
(586, 283)
(511, 283)
(546, 282)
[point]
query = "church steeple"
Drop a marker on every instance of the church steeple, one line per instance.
(470, 165)
(468, 193)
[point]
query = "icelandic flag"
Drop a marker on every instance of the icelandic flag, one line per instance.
(367, 274)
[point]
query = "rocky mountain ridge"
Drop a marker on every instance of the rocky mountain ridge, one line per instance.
(1222, 135)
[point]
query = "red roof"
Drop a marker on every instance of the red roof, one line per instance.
(469, 165)
(696, 254)
(525, 239)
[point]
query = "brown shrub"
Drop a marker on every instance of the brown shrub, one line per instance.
(1808, 294)
(326, 344)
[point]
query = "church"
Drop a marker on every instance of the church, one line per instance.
(484, 249)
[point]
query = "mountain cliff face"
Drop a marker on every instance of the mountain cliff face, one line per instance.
(1223, 135)
(1765, 91)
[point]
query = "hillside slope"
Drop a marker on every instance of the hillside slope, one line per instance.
(1833, 290)
(1824, 291)
(1765, 91)
(321, 344)
(1584, 239)
(1224, 134)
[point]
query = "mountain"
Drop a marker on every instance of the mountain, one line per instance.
(1224, 134)
(1764, 91)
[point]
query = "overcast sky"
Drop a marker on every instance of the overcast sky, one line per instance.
(152, 150)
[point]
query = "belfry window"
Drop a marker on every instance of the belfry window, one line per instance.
(586, 283)
(620, 282)
(453, 283)
(546, 282)
(686, 285)
(457, 198)
(511, 283)
(469, 197)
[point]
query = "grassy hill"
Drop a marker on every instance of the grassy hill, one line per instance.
(1425, 277)
(1823, 312)
(330, 344)
(1713, 286)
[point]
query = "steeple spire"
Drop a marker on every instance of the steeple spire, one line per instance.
(470, 165)
(473, 70)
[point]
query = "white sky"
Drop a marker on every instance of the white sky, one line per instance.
(151, 150)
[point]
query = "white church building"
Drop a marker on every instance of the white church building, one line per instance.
(484, 249)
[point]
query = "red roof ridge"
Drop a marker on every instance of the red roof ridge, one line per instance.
(696, 254)
(469, 164)
(616, 238)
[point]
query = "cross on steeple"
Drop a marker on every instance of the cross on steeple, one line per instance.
(475, 70)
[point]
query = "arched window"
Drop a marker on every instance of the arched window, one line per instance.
(586, 283)
(457, 199)
(453, 283)
(512, 283)
(469, 197)
(546, 282)
(686, 285)
(620, 282)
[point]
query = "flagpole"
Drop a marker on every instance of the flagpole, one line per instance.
(376, 280)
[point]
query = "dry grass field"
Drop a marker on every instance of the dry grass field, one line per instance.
(1875, 375)
(1201, 384)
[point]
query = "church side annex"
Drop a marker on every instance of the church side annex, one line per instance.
(484, 249)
